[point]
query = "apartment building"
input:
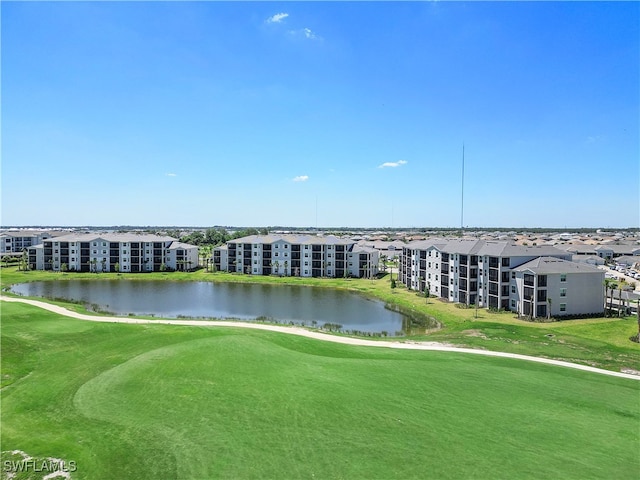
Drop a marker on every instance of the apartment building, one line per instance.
(296, 255)
(549, 286)
(15, 241)
(109, 252)
(481, 272)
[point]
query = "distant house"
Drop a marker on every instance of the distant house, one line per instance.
(612, 251)
(296, 255)
(391, 249)
(110, 252)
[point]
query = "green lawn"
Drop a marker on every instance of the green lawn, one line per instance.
(152, 401)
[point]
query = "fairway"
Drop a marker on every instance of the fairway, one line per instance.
(155, 401)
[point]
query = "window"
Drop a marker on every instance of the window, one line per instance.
(513, 304)
(513, 289)
(429, 252)
(513, 274)
(95, 252)
(429, 264)
(563, 307)
(429, 276)
(563, 277)
(437, 253)
(563, 292)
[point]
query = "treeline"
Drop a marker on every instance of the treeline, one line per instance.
(214, 236)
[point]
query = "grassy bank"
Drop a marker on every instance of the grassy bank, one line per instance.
(152, 401)
(600, 342)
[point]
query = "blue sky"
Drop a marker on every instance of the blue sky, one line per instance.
(323, 113)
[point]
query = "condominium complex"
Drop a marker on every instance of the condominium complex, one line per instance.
(498, 274)
(110, 252)
(15, 241)
(296, 255)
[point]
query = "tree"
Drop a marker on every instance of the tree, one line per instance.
(427, 291)
(163, 267)
(548, 308)
(117, 267)
(609, 286)
(94, 263)
(64, 267)
(621, 310)
(286, 266)
(104, 264)
(24, 261)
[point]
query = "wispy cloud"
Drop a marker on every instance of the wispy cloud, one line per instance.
(306, 33)
(301, 178)
(277, 18)
(309, 34)
(393, 164)
(171, 174)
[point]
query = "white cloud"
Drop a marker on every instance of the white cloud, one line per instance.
(171, 174)
(301, 178)
(277, 18)
(393, 164)
(306, 33)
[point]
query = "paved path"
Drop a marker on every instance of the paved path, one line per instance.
(407, 345)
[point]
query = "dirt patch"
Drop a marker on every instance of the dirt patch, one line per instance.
(474, 332)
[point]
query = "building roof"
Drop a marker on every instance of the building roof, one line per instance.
(112, 237)
(550, 265)
(185, 246)
(294, 239)
(492, 248)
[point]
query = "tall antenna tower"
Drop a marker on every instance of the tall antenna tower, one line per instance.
(462, 196)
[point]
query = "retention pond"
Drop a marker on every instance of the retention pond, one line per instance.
(286, 304)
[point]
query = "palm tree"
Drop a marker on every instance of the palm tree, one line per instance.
(620, 304)
(609, 286)
(286, 265)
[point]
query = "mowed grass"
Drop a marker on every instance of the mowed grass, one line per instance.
(151, 401)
